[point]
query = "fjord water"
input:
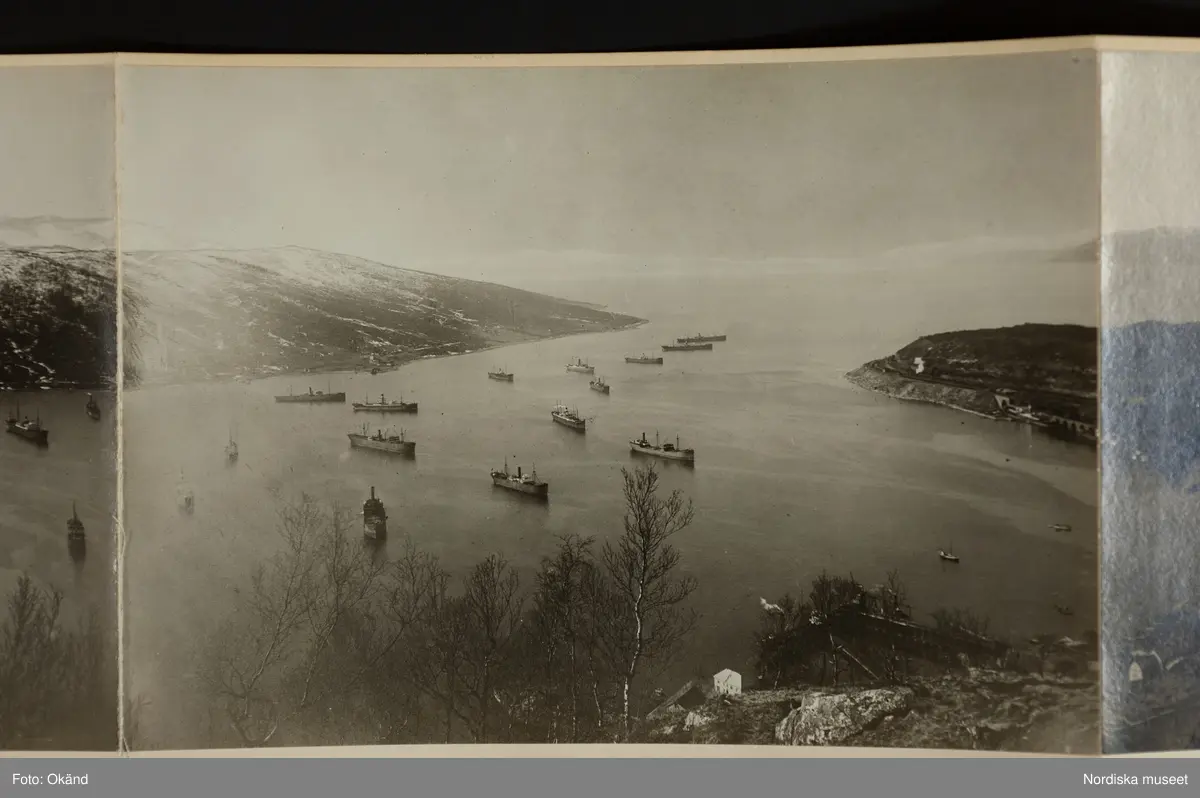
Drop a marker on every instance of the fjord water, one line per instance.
(796, 469)
(40, 483)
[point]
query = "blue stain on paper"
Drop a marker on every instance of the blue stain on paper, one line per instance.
(1150, 396)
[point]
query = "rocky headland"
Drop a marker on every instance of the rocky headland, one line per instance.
(1045, 374)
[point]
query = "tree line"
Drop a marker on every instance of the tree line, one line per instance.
(333, 644)
(58, 687)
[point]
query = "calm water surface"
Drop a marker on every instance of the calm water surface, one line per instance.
(40, 483)
(797, 471)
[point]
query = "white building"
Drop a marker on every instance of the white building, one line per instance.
(727, 682)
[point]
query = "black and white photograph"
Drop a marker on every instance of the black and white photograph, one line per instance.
(1151, 453)
(58, 380)
(719, 404)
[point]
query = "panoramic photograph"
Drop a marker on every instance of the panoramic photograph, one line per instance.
(58, 379)
(829, 332)
(1151, 226)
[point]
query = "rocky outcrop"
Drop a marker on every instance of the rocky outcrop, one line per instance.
(833, 718)
(983, 710)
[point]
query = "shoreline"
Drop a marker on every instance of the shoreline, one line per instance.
(400, 362)
(871, 377)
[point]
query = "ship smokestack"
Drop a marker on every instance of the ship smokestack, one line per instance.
(518, 472)
(372, 492)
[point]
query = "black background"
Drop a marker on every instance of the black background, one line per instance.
(538, 26)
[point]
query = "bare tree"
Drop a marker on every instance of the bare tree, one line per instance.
(562, 638)
(275, 658)
(52, 684)
(492, 603)
(644, 592)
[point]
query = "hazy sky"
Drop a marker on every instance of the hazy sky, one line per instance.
(1151, 135)
(745, 162)
(1151, 173)
(56, 142)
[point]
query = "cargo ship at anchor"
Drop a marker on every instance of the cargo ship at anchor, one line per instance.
(29, 430)
(666, 451)
(645, 360)
(687, 347)
(393, 444)
(700, 339)
(384, 406)
(581, 367)
(600, 386)
(501, 375)
(374, 518)
(312, 396)
(561, 414)
(528, 484)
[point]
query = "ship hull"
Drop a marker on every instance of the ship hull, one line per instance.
(578, 426)
(405, 408)
(604, 390)
(700, 339)
(407, 448)
(582, 369)
(541, 491)
(501, 377)
(40, 436)
(93, 413)
(679, 457)
(645, 361)
(314, 399)
(687, 347)
(375, 529)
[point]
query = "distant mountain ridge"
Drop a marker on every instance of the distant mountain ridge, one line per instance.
(219, 313)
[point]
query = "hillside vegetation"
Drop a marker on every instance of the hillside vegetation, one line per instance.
(1051, 366)
(58, 317)
(221, 313)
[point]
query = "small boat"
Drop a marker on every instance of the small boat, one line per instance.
(374, 518)
(93, 409)
(393, 444)
(666, 451)
(231, 450)
(519, 482)
(1064, 609)
(1061, 527)
(581, 367)
(561, 414)
(599, 386)
(384, 406)
(312, 397)
(687, 347)
(29, 430)
(501, 375)
(645, 360)
(948, 556)
(700, 339)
